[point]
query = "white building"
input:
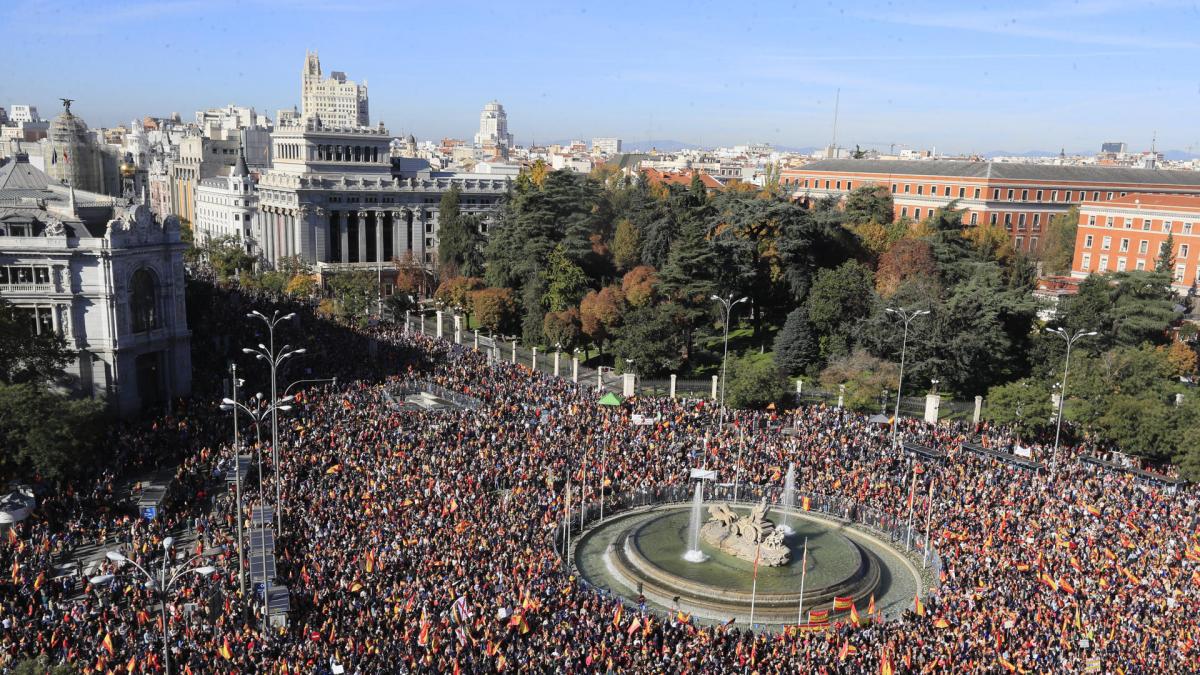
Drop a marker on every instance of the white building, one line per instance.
(23, 113)
(336, 100)
(230, 117)
(606, 146)
(493, 130)
(226, 206)
(105, 274)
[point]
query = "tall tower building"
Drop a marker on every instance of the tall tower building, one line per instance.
(493, 130)
(335, 100)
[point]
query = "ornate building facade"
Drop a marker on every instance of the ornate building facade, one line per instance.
(336, 100)
(104, 273)
(337, 198)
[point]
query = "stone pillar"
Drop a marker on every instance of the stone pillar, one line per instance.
(575, 369)
(533, 359)
(377, 216)
(458, 329)
(628, 381)
(600, 377)
(362, 236)
(933, 403)
(714, 388)
(439, 323)
(397, 238)
(514, 353)
(419, 238)
(344, 234)
(842, 396)
(673, 376)
(476, 339)
(320, 240)
(978, 409)
(557, 355)
(799, 388)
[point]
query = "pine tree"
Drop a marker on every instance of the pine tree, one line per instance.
(1166, 256)
(796, 347)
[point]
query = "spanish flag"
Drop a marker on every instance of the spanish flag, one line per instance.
(854, 615)
(1008, 666)
(846, 651)
(617, 615)
(12, 535)
(225, 651)
(108, 643)
(919, 607)
(370, 561)
(1092, 510)
(805, 504)
(841, 604)
(680, 617)
(871, 607)
(885, 665)
(132, 665)
(941, 623)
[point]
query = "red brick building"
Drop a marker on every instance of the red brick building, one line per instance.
(1128, 232)
(1022, 198)
(683, 178)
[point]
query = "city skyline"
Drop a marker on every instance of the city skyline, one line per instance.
(1033, 77)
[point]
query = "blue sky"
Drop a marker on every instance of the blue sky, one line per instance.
(958, 76)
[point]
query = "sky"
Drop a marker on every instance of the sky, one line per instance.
(955, 76)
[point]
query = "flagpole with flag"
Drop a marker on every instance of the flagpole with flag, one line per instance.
(803, 573)
(928, 521)
(754, 585)
(912, 492)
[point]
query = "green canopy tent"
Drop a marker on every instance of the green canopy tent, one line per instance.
(610, 399)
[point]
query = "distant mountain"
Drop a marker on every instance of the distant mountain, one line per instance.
(662, 145)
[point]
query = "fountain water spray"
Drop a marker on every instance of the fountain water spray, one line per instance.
(694, 554)
(789, 499)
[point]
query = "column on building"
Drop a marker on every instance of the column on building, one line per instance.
(397, 223)
(418, 234)
(320, 232)
(378, 218)
(268, 232)
(362, 236)
(344, 234)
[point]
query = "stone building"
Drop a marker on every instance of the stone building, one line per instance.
(335, 99)
(337, 198)
(227, 206)
(107, 275)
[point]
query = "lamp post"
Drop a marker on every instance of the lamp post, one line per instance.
(1062, 392)
(907, 316)
(160, 583)
(331, 380)
(728, 303)
(237, 478)
(257, 415)
(274, 358)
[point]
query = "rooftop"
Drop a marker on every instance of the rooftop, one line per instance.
(1007, 171)
(1154, 201)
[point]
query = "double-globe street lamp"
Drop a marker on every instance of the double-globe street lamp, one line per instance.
(273, 358)
(160, 583)
(907, 315)
(258, 415)
(1062, 391)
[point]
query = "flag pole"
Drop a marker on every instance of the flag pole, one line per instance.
(754, 585)
(928, 521)
(803, 573)
(912, 491)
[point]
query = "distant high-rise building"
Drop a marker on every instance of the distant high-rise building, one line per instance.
(337, 101)
(23, 113)
(1113, 147)
(493, 129)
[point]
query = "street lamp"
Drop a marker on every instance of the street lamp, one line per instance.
(1062, 392)
(907, 316)
(237, 477)
(274, 358)
(728, 303)
(257, 415)
(160, 583)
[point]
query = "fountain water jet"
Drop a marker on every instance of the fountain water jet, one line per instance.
(789, 499)
(694, 554)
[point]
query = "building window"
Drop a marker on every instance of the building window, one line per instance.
(903, 211)
(1024, 195)
(1108, 222)
(1187, 228)
(1124, 246)
(143, 301)
(1143, 247)
(1179, 271)
(996, 194)
(1068, 198)
(1020, 221)
(1039, 195)
(1103, 267)
(1087, 241)
(1106, 243)
(1146, 224)
(1128, 223)
(1095, 196)
(1091, 220)
(962, 192)
(1011, 192)
(907, 188)
(920, 189)
(1109, 198)
(1141, 265)
(974, 218)
(1054, 195)
(1086, 263)
(1020, 243)
(917, 213)
(1120, 264)
(1033, 243)
(839, 185)
(1183, 250)
(992, 220)
(1167, 226)
(976, 193)
(893, 188)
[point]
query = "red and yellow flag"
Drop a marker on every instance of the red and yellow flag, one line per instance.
(920, 608)
(225, 651)
(108, 643)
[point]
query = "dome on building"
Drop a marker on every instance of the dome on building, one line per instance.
(71, 153)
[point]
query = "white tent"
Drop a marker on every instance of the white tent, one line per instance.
(16, 506)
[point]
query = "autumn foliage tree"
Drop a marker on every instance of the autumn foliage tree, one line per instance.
(906, 259)
(600, 314)
(495, 308)
(562, 328)
(456, 292)
(638, 285)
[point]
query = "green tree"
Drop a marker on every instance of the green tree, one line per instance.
(797, 349)
(755, 383)
(1126, 308)
(562, 329)
(25, 355)
(41, 666)
(1022, 404)
(47, 434)
(355, 293)
(627, 245)
(870, 203)
(534, 310)
(227, 257)
(688, 278)
(1058, 249)
(1166, 256)
(566, 284)
(459, 239)
(840, 298)
(651, 340)
(864, 377)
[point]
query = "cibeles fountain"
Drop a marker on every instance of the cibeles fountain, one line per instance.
(702, 561)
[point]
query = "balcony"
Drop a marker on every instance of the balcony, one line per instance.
(27, 288)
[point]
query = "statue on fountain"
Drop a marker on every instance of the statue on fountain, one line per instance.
(747, 537)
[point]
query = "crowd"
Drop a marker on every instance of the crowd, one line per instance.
(424, 541)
